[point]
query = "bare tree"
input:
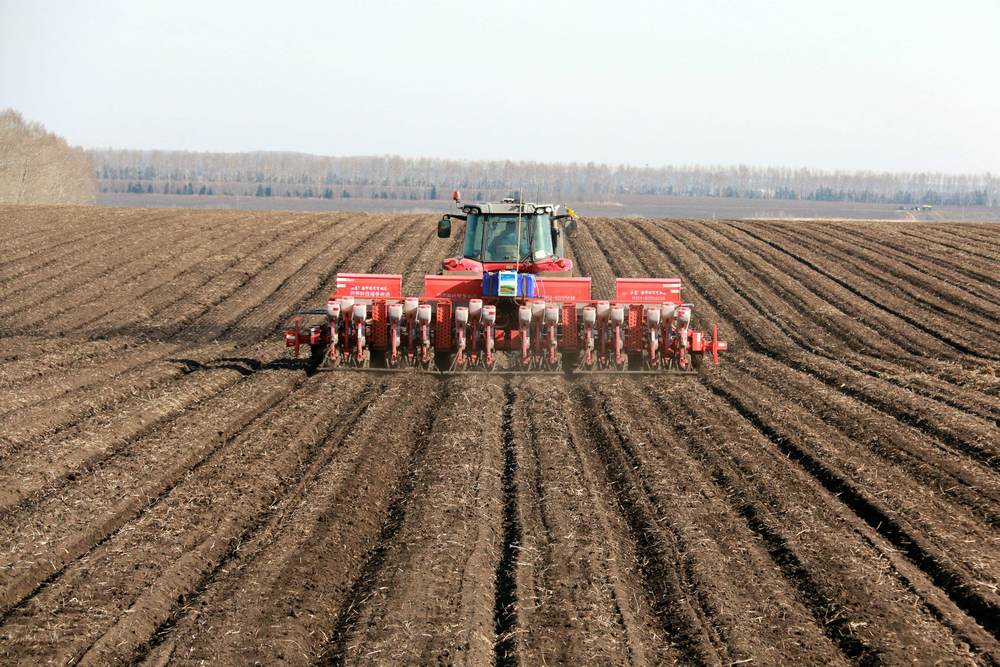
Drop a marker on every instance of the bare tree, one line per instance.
(38, 167)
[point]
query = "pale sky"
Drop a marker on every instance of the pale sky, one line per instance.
(903, 85)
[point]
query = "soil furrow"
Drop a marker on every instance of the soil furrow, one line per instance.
(209, 514)
(230, 293)
(174, 489)
(155, 277)
(983, 607)
(963, 432)
(889, 304)
(45, 252)
(65, 279)
(683, 618)
(103, 268)
(882, 619)
(160, 303)
(914, 286)
(363, 586)
(282, 587)
(260, 308)
(94, 506)
(821, 325)
(505, 596)
(147, 372)
(55, 356)
(923, 263)
(29, 471)
(434, 596)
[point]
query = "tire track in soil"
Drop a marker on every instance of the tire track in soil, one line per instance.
(433, 599)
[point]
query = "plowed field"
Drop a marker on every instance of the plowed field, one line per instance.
(174, 490)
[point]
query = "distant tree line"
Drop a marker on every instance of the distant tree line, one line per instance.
(273, 174)
(38, 167)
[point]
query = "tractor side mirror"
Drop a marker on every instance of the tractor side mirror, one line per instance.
(444, 227)
(570, 226)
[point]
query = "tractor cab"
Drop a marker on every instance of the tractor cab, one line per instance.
(511, 236)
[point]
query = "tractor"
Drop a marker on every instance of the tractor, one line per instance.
(510, 303)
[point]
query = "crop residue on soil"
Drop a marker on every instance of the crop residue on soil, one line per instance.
(173, 489)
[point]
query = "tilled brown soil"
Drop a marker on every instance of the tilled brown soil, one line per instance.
(174, 490)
